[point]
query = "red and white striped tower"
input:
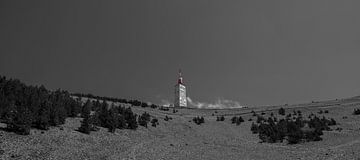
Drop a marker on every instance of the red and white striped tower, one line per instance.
(180, 93)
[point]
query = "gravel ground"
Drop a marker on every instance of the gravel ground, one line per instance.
(181, 139)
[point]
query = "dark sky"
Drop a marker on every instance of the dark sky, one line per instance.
(253, 52)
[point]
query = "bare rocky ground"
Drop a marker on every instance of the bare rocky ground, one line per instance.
(181, 139)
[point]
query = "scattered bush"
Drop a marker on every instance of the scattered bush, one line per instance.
(326, 111)
(288, 116)
(167, 118)
(144, 119)
(260, 119)
(339, 129)
(221, 118)
(254, 114)
(282, 111)
(254, 128)
(237, 120)
(356, 112)
(144, 105)
(198, 120)
(154, 122)
(153, 106)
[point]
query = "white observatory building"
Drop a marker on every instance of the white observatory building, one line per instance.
(180, 93)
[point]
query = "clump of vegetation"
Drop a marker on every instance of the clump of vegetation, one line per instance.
(260, 119)
(144, 119)
(254, 128)
(320, 112)
(23, 107)
(326, 111)
(153, 106)
(356, 112)
(339, 129)
(293, 130)
(288, 116)
(253, 112)
(198, 120)
(85, 123)
(282, 111)
(237, 120)
(167, 118)
(112, 99)
(115, 117)
(154, 122)
(144, 105)
(220, 118)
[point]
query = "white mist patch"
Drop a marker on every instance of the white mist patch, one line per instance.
(219, 104)
(165, 103)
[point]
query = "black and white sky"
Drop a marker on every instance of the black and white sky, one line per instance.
(253, 52)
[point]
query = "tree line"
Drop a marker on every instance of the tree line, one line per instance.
(23, 107)
(113, 99)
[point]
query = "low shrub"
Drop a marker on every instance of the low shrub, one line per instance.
(198, 120)
(221, 118)
(282, 111)
(154, 122)
(237, 120)
(356, 112)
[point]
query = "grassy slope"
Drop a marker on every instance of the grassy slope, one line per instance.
(181, 139)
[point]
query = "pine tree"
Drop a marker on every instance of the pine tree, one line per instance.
(254, 128)
(130, 119)
(113, 120)
(85, 123)
(282, 111)
(104, 114)
(21, 120)
(43, 117)
(86, 108)
(121, 122)
(144, 119)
